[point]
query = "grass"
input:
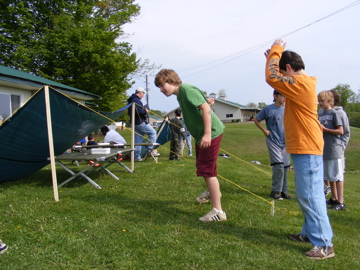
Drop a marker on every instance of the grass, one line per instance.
(149, 219)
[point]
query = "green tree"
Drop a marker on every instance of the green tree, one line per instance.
(353, 107)
(356, 99)
(346, 95)
(261, 105)
(222, 94)
(251, 105)
(157, 113)
(78, 43)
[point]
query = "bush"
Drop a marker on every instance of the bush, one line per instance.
(354, 119)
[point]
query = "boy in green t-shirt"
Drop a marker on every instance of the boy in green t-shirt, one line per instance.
(206, 128)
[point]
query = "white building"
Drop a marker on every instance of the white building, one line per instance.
(16, 87)
(227, 111)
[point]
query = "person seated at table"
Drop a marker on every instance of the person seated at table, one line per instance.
(112, 136)
(91, 140)
(82, 142)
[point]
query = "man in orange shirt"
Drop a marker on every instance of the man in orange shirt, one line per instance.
(285, 72)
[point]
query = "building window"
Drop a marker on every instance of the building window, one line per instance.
(8, 104)
(15, 102)
(230, 115)
(5, 110)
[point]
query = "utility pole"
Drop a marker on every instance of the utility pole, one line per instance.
(147, 92)
(147, 99)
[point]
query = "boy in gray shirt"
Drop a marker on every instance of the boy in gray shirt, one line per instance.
(275, 141)
(333, 149)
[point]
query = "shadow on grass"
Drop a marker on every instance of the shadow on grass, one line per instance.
(43, 178)
(168, 212)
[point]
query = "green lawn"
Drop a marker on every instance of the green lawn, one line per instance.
(149, 219)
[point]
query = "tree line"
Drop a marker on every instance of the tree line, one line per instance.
(79, 43)
(349, 100)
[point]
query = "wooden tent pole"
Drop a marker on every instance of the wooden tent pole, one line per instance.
(132, 135)
(51, 143)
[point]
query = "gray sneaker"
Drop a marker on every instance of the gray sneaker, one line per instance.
(155, 154)
(204, 197)
(286, 195)
(299, 238)
(213, 216)
(276, 195)
(321, 253)
(338, 206)
(3, 247)
(327, 190)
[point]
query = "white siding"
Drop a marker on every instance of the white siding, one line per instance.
(24, 94)
(224, 112)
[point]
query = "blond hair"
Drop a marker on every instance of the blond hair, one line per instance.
(326, 95)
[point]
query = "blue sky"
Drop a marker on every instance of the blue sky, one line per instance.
(219, 44)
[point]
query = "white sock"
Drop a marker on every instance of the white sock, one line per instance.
(221, 211)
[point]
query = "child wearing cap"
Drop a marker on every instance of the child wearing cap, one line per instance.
(273, 115)
(206, 128)
(142, 127)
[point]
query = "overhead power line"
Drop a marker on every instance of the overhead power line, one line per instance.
(234, 56)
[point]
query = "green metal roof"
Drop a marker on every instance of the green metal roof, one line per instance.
(19, 77)
(234, 104)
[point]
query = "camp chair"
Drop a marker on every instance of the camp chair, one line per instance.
(162, 137)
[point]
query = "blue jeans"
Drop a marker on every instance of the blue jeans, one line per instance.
(309, 187)
(188, 143)
(279, 178)
(140, 131)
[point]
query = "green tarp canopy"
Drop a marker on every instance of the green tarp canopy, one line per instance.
(24, 136)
